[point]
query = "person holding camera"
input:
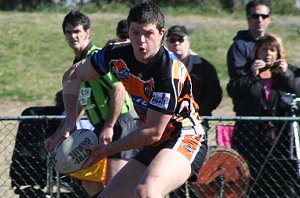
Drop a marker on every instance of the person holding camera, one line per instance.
(266, 144)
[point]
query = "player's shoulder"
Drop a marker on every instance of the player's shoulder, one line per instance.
(117, 50)
(172, 65)
(168, 53)
(169, 58)
(119, 46)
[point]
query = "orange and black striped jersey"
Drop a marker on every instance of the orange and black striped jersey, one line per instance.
(163, 85)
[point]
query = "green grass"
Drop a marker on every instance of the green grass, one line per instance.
(34, 54)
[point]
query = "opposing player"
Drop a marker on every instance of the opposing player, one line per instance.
(172, 136)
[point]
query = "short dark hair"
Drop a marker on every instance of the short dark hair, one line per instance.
(147, 12)
(75, 18)
(255, 3)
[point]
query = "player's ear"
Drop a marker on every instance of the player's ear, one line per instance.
(162, 33)
(88, 33)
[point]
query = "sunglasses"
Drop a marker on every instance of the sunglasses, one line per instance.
(173, 40)
(256, 16)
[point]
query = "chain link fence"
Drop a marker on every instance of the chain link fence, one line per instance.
(251, 166)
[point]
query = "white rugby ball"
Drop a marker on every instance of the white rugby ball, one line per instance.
(69, 156)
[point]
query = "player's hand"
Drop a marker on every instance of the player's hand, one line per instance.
(97, 153)
(49, 144)
(106, 135)
(68, 127)
(62, 133)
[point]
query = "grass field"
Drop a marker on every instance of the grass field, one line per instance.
(34, 54)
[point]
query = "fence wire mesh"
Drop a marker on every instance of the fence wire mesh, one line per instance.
(245, 164)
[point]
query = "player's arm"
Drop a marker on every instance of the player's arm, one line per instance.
(146, 134)
(80, 114)
(52, 141)
(79, 72)
(59, 134)
(115, 106)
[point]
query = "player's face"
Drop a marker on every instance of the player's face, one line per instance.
(146, 40)
(77, 37)
(178, 45)
(259, 20)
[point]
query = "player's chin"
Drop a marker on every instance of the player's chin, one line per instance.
(142, 55)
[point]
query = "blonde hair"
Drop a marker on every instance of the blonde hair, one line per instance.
(280, 42)
(270, 40)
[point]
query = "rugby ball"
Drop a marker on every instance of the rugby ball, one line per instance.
(69, 156)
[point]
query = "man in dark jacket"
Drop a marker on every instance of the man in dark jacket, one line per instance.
(206, 85)
(258, 18)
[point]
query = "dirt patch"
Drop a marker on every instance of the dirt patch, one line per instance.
(225, 108)
(16, 108)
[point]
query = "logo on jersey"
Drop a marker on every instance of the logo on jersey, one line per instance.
(187, 147)
(148, 89)
(120, 69)
(160, 99)
(124, 74)
(140, 106)
(84, 94)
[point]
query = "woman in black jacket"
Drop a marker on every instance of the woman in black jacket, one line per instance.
(266, 144)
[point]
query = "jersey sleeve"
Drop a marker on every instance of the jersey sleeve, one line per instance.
(98, 62)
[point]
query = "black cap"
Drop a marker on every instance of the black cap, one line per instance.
(178, 30)
(122, 27)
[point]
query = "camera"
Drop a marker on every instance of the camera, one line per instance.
(288, 98)
(291, 100)
(276, 64)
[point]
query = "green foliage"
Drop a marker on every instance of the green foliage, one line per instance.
(204, 6)
(23, 5)
(286, 7)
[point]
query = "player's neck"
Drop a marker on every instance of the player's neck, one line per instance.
(78, 52)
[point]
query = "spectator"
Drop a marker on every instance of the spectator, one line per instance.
(206, 85)
(266, 144)
(106, 105)
(239, 54)
(121, 32)
(160, 88)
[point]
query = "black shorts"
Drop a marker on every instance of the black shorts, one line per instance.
(125, 124)
(147, 154)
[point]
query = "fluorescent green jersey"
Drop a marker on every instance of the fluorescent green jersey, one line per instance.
(95, 94)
